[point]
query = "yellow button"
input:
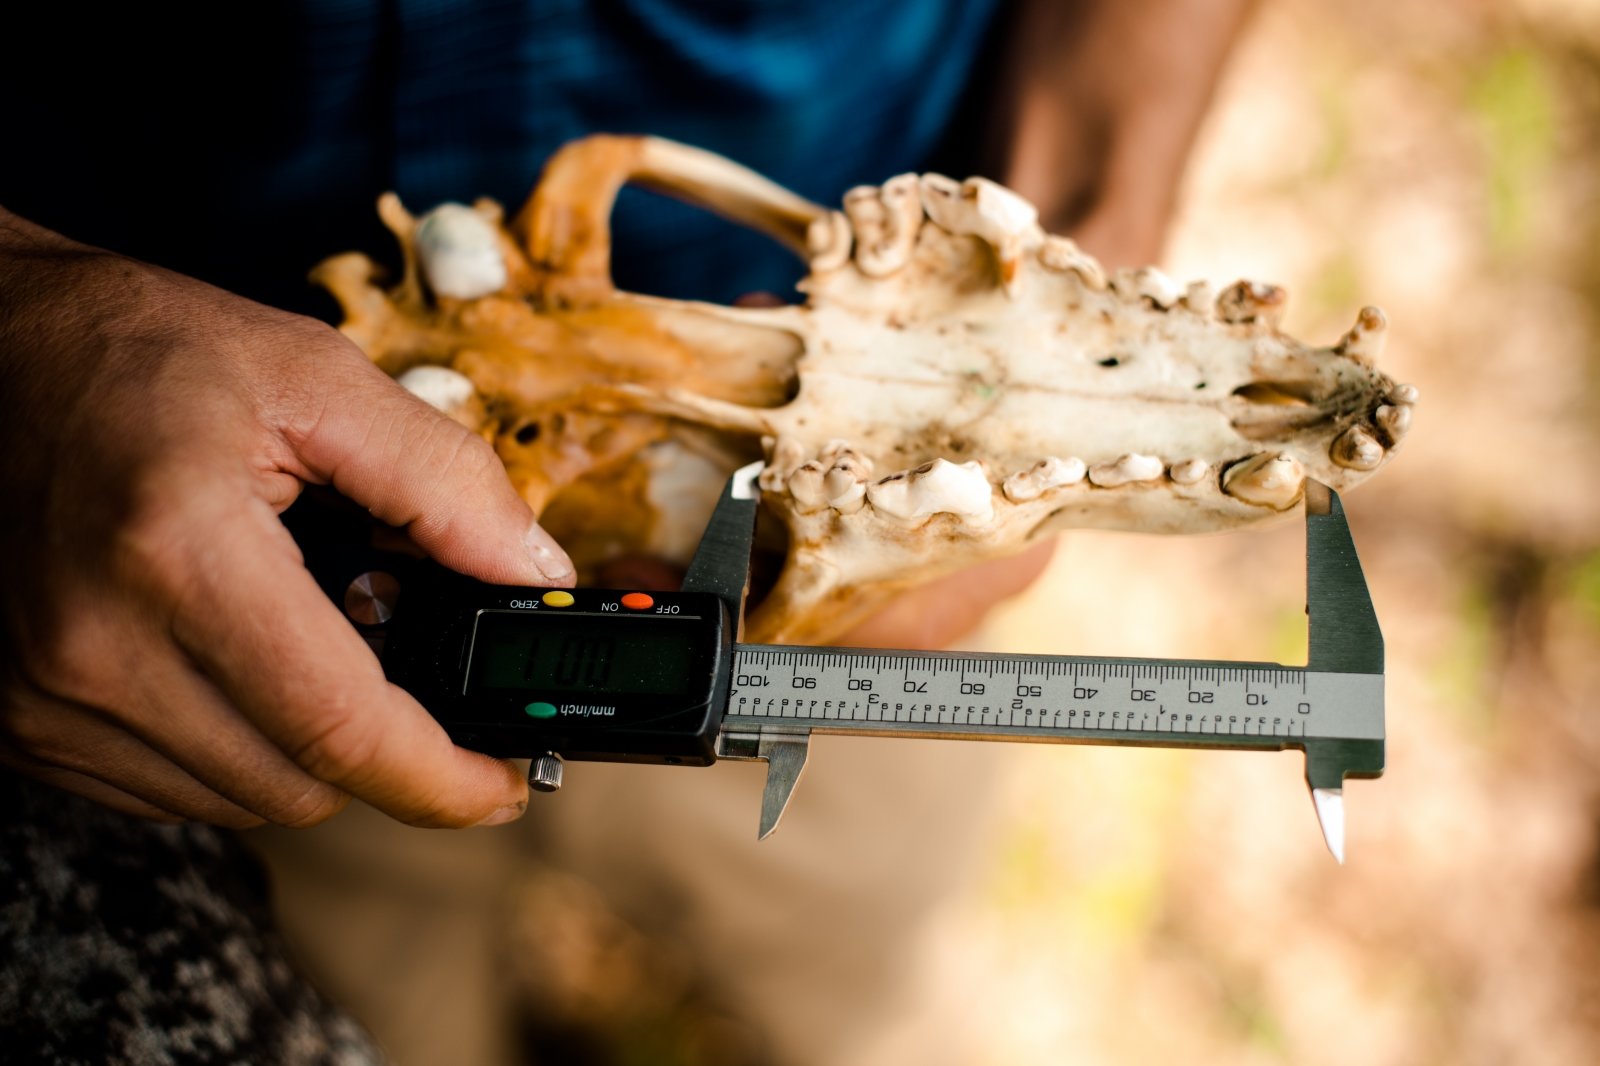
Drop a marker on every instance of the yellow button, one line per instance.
(558, 598)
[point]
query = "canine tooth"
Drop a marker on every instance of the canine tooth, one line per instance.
(445, 390)
(983, 209)
(1406, 394)
(939, 486)
(1063, 255)
(1394, 420)
(1266, 479)
(460, 253)
(805, 485)
(1147, 283)
(1126, 470)
(1365, 339)
(1357, 449)
(829, 240)
(1041, 477)
(1189, 471)
(1251, 301)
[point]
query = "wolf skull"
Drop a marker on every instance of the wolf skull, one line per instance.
(958, 385)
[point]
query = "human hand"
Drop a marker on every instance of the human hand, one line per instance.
(165, 651)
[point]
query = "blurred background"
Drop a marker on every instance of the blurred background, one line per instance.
(1440, 160)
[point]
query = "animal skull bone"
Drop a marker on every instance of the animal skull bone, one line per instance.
(958, 385)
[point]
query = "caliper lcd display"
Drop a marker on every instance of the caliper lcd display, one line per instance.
(575, 654)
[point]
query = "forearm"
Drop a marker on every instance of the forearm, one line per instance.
(1101, 105)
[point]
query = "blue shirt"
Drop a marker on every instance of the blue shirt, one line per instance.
(250, 156)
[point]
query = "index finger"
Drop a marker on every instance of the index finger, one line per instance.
(256, 622)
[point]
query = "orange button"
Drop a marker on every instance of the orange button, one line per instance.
(638, 601)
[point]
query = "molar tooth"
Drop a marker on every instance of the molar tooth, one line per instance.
(1126, 470)
(1394, 420)
(1198, 297)
(1189, 471)
(445, 390)
(829, 241)
(1041, 477)
(1364, 342)
(460, 253)
(1146, 283)
(805, 485)
(1251, 301)
(1357, 449)
(1267, 480)
(934, 487)
(1063, 255)
(983, 209)
(1404, 394)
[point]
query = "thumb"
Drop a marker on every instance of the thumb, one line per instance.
(412, 466)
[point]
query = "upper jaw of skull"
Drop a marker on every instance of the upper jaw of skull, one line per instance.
(960, 382)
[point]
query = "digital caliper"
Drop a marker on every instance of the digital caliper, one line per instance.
(659, 677)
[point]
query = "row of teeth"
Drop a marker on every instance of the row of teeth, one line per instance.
(880, 223)
(841, 478)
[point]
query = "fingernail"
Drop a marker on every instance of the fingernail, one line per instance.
(548, 558)
(509, 813)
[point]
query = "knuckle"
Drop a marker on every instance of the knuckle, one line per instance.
(312, 806)
(344, 742)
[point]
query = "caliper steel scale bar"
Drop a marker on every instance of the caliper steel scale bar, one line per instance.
(1332, 708)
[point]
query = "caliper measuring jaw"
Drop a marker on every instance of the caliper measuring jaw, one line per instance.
(1334, 703)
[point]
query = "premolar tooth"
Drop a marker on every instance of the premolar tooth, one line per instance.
(1189, 471)
(1126, 470)
(939, 486)
(1041, 477)
(783, 456)
(1251, 301)
(845, 485)
(836, 450)
(460, 253)
(901, 203)
(829, 241)
(445, 390)
(868, 219)
(1198, 297)
(1063, 255)
(1267, 480)
(805, 485)
(1147, 283)
(1364, 342)
(1357, 449)
(1394, 420)
(983, 209)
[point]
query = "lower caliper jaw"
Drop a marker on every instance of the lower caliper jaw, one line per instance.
(785, 756)
(1328, 763)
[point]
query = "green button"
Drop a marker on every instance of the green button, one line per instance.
(541, 710)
